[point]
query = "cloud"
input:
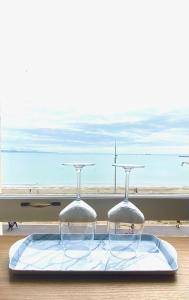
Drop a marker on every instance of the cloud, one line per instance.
(156, 131)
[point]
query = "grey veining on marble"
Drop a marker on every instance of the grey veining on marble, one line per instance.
(44, 252)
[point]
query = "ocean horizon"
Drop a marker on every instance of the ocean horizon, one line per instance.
(45, 169)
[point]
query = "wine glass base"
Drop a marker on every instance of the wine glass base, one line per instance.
(124, 246)
(123, 253)
(76, 250)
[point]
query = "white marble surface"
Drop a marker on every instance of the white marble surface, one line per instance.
(45, 253)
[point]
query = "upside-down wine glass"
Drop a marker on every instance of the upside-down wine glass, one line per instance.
(77, 222)
(125, 223)
(185, 163)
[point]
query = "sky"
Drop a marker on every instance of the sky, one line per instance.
(78, 75)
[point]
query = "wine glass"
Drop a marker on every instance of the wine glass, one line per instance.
(125, 222)
(185, 163)
(77, 222)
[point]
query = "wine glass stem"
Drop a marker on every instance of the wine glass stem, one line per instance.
(78, 170)
(127, 173)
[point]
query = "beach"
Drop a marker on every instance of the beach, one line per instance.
(7, 190)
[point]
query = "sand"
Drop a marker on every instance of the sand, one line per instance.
(91, 190)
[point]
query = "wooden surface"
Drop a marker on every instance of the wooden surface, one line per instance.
(28, 287)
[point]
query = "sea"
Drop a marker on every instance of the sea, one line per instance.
(46, 169)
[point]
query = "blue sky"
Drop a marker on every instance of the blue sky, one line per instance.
(76, 75)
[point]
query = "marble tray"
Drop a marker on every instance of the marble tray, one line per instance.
(44, 253)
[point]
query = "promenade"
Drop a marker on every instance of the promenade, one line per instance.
(155, 229)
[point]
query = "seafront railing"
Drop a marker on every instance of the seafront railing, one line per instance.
(29, 208)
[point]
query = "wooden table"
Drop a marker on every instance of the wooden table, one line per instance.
(47, 287)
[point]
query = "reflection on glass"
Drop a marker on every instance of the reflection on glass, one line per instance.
(125, 223)
(77, 222)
